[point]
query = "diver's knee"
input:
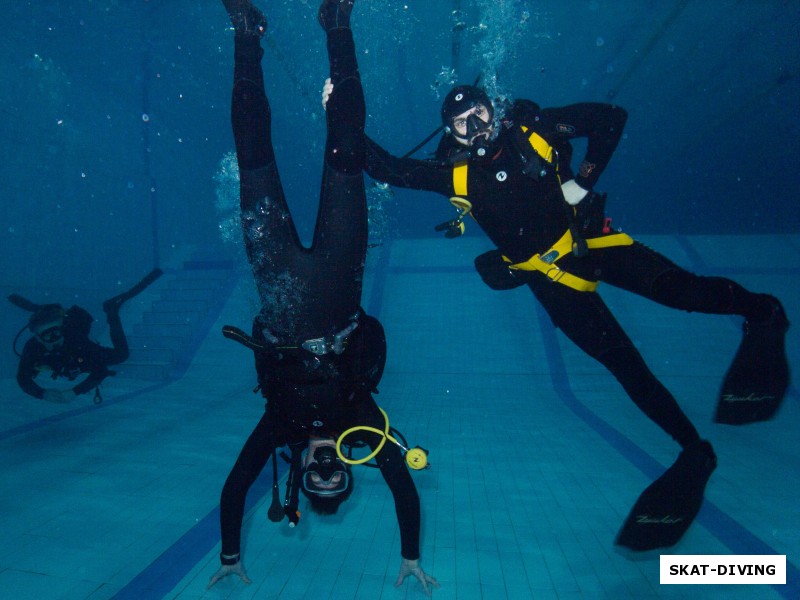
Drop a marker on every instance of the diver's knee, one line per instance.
(671, 284)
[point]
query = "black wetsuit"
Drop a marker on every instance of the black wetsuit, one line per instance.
(526, 214)
(308, 293)
(77, 355)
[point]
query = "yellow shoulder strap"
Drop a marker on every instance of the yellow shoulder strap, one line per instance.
(460, 179)
(540, 145)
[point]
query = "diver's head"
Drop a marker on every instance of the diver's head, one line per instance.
(467, 115)
(47, 324)
(326, 480)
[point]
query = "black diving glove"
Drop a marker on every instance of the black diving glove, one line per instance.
(495, 272)
(590, 215)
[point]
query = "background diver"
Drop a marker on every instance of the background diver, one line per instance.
(318, 357)
(512, 173)
(61, 346)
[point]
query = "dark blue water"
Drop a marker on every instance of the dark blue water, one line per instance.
(116, 141)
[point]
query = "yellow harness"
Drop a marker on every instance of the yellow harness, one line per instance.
(544, 263)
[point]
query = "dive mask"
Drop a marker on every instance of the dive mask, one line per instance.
(327, 475)
(473, 132)
(51, 335)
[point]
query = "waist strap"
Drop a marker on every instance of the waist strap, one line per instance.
(336, 343)
(545, 263)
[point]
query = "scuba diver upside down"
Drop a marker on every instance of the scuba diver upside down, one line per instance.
(318, 356)
(514, 177)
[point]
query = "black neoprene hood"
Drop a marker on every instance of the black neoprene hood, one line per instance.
(461, 99)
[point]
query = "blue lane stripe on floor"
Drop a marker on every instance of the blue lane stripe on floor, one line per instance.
(165, 572)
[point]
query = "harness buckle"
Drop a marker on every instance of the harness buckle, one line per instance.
(550, 257)
(318, 346)
(337, 343)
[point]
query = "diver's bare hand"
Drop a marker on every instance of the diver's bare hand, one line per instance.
(411, 567)
(225, 570)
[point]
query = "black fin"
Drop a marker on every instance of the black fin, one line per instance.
(23, 303)
(668, 506)
(113, 304)
(757, 380)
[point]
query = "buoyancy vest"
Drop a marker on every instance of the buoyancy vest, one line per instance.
(544, 263)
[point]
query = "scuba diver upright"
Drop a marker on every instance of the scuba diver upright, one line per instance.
(61, 346)
(513, 175)
(318, 356)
